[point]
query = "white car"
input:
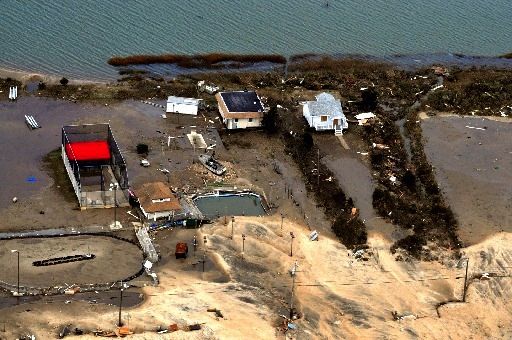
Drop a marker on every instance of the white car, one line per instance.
(144, 162)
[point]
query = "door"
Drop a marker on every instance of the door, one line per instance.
(336, 123)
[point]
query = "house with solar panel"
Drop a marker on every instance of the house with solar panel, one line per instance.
(325, 113)
(95, 166)
(240, 109)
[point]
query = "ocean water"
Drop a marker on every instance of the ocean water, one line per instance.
(76, 38)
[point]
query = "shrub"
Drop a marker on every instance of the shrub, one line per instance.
(142, 149)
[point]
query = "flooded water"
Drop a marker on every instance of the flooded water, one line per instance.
(243, 204)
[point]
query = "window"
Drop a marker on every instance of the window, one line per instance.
(236, 120)
(323, 118)
(250, 120)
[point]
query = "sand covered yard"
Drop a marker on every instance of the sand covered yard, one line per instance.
(472, 157)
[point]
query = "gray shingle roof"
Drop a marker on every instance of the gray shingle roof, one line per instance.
(325, 104)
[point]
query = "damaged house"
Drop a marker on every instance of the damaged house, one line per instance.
(325, 113)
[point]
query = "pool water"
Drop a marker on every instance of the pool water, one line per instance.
(243, 204)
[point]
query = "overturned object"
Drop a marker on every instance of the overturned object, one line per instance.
(211, 164)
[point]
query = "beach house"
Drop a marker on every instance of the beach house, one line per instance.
(157, 201)
(240, 109)
(325, 113)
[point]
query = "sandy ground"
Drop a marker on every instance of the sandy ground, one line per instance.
(338, 295)
(114, 261)
(473, 166)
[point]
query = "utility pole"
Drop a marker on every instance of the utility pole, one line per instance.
(293, 272)
(232, 227)
(243, 245)
(465, 281)
(282, 218)
(113, 186)
(18, 290)
(195, 245)
(291, 243)
(204, 251)
(120, 323)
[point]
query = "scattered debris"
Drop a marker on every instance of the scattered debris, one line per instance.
(194, 327)
(31, 122)
(64, 331)
(380, 146)
(476, 128)
(400, 317)
(105, 334)
(123, 331)
(217, 312)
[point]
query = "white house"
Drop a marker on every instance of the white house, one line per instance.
(325, 113)
(240, 109)
(183, 105)
(157, 201)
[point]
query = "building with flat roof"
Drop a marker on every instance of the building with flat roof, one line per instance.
(188, 106)
(240, 109)
(95, 166)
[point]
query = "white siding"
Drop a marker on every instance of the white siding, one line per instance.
(187, 109)
(243, 123)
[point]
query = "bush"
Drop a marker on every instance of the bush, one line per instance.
(64, 81)
(142, 149)
(369, 99)
(271, 121)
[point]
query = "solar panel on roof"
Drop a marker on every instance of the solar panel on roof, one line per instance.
(247, 101)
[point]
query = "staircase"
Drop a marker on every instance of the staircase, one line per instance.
(338, 131)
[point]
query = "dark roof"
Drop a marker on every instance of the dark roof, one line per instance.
(242, 101)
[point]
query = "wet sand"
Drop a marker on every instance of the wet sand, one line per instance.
(472, 157)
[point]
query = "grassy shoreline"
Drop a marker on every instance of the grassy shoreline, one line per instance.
(211, 60)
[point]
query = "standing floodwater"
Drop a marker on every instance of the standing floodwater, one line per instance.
(232, 204)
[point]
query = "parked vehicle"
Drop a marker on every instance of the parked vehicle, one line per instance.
(181, 250)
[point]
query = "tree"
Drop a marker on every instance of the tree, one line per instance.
(307, 140)
(271, 121)
(64, 81)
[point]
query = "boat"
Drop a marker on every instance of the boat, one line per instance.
(211, 164)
